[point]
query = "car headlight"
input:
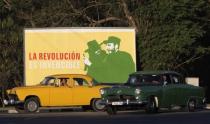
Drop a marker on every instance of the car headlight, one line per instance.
(11, 101)
(102, 91)
(137, 91)
(5, 102)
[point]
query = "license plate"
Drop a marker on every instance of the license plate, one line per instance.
(117, 103)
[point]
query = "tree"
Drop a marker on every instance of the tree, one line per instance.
(19, 14)
(11, 64)
(171, 35)
(170, 32)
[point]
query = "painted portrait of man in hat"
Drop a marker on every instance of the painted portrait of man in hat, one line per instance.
(110, 65)
(119, 64)
(94, 61)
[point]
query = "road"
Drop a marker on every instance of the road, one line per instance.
(126, 117)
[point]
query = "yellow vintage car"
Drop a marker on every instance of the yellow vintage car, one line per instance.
(57, 90)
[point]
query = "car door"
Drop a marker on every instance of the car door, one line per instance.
(180, 89)
(168, 93)
(44, 91)
(184, 92)
(61, 95)
(82, 91)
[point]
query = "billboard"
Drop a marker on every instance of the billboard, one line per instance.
(106, 54)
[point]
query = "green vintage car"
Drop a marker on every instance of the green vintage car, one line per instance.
(153, 90)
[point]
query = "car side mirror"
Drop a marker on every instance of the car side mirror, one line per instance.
(90, 85)
(56, 85)
(69, 86)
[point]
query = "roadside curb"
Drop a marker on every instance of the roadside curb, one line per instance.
(11, 110)
(6, 110)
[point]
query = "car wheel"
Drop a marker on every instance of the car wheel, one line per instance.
(191, 105)
(96, 105)
(31, 105)
(151, 106)
(111, 110)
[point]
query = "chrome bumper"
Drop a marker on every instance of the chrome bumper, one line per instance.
(123, 102)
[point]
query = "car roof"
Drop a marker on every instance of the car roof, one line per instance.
(155, 72)
(66, 75)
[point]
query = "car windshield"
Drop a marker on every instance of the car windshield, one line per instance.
(144, 80)
(48, 81)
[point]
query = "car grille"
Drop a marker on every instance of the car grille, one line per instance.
(13, 96)
(120, 97)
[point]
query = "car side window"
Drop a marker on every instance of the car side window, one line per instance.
(51, 82)
(63, 81)
(176, 79)
(80, 82)
(133, 80)
(166, 80)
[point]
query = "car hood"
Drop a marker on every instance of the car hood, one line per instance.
(130, 90)
(121, 89)
(13, 90)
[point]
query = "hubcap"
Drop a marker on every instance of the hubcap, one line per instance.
(191, 104)
(98, 105)
(32, 106)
